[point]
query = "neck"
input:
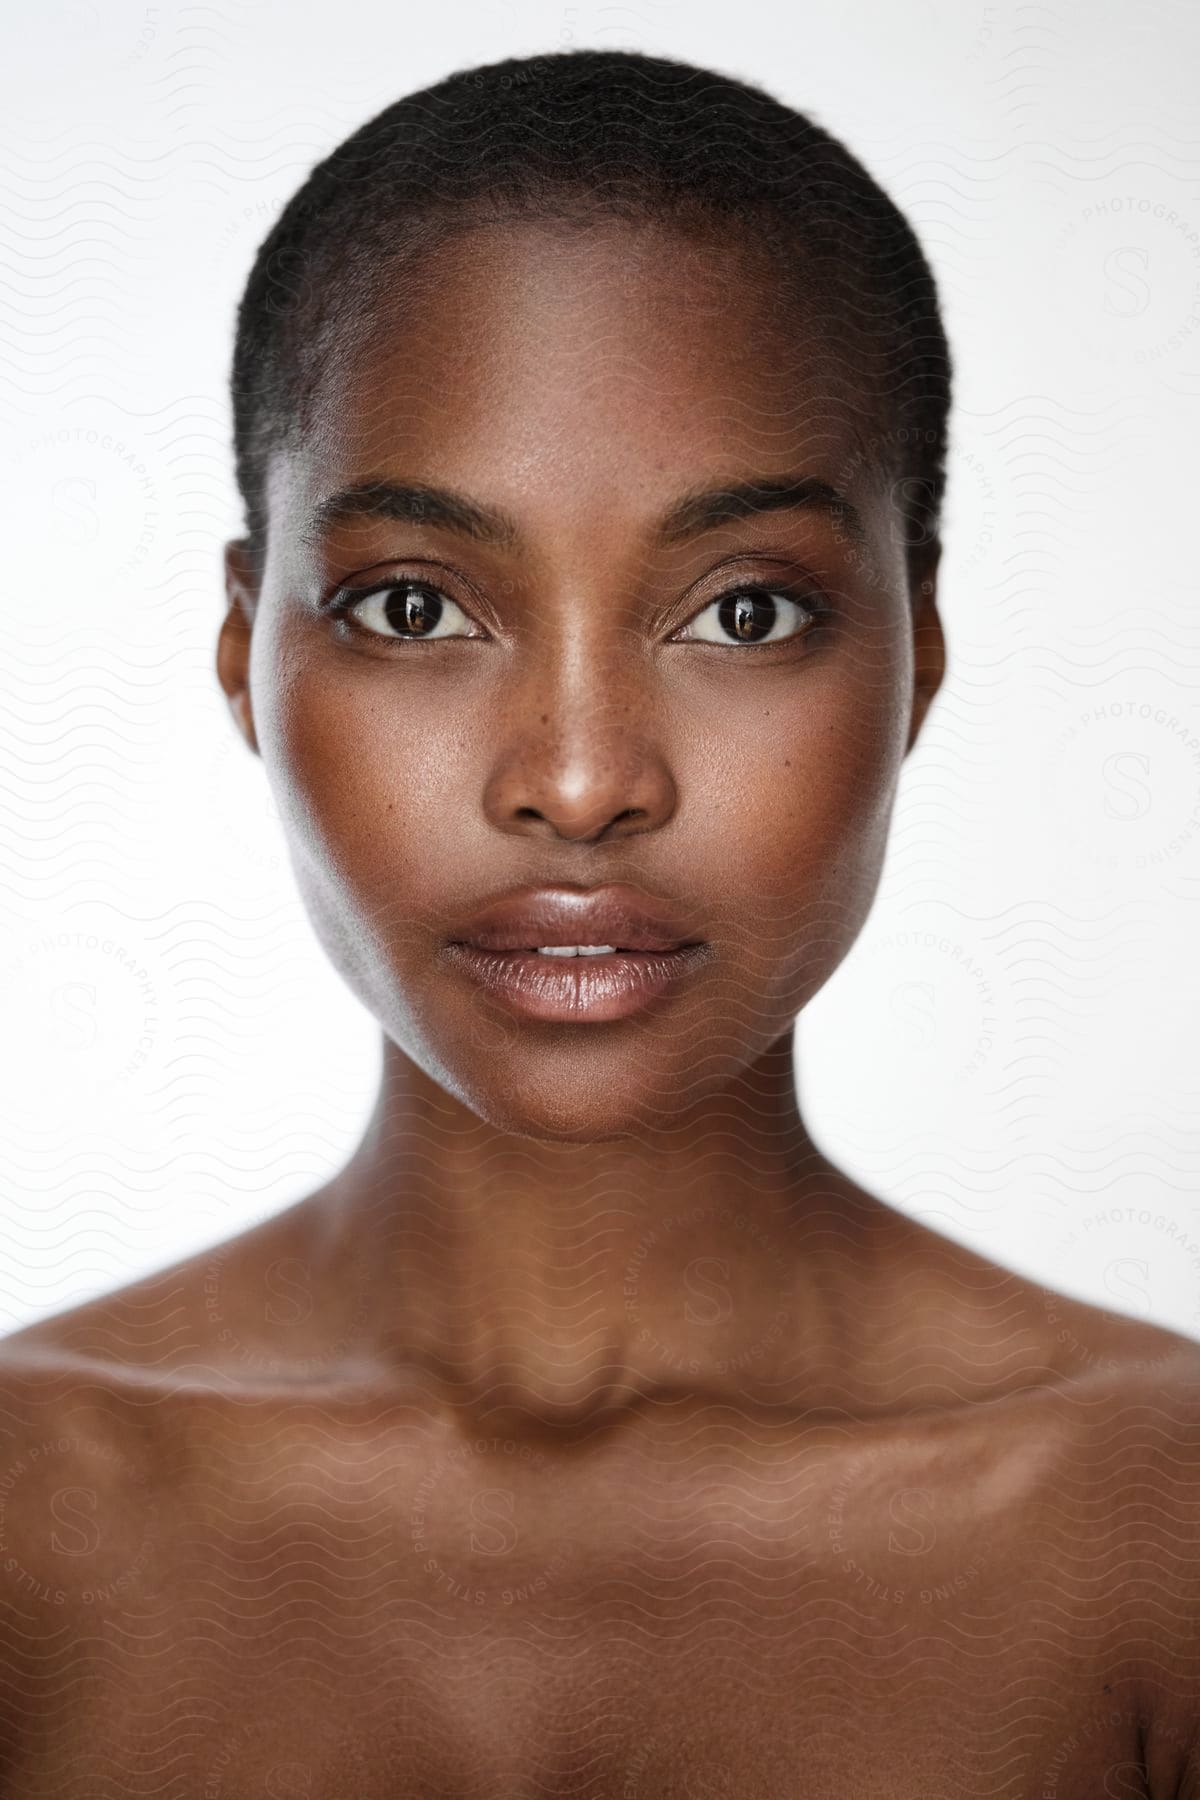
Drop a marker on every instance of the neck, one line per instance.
(556, 1281)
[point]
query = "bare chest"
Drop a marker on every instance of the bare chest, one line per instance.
(708, 1610)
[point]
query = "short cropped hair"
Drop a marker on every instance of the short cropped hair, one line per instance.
(573, 135)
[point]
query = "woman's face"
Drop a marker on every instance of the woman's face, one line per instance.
(570, 702)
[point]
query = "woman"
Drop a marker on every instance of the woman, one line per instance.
(589, 1432)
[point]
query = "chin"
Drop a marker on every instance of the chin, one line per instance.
(588, 1108)
(590, 1084)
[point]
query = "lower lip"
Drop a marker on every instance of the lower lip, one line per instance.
(592, 988)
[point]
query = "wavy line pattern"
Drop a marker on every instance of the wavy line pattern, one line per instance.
(463, 1449)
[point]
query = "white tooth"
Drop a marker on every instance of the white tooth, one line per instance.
(576, 949)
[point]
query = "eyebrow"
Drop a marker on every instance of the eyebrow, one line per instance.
(416, 503)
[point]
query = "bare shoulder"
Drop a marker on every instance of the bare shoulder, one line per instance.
(951, 1323)
(237, 1310)
(122, 1435)
(114, 1412)
(1121, 1496)
(105, 1408)
(79, 1480)
(1153, 1436)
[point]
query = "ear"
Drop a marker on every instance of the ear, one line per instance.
(929, 640)
(233, 643)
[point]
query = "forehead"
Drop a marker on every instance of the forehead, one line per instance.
(568, 366)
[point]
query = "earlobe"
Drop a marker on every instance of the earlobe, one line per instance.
(233, 642)
(929, 640)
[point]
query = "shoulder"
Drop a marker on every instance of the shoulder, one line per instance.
(110, 1467)
(104, 1409)
(79, 1479)
(1154, 1426)
(202, 1318)
(980, 1329)
(1141, 1512)
(1143, 1412)
(1120, 1399)
(1166, 1557)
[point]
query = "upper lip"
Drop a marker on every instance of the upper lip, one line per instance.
(625, 917)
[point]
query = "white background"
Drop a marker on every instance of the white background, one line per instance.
(1009, 1052)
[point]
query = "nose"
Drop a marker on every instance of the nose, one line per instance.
(582, 761)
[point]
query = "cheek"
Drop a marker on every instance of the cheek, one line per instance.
(368, 790)
(365, 770)
(798, 788)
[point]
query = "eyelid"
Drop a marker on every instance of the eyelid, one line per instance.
(802, 591)
(343, 600)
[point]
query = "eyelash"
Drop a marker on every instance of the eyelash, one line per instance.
(813, 603)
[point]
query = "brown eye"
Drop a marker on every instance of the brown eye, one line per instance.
(751, 615)
(406, 610)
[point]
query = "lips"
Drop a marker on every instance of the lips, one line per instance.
(536, 918)
(647, 952)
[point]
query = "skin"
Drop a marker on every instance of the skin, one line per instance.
(589, 1432)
